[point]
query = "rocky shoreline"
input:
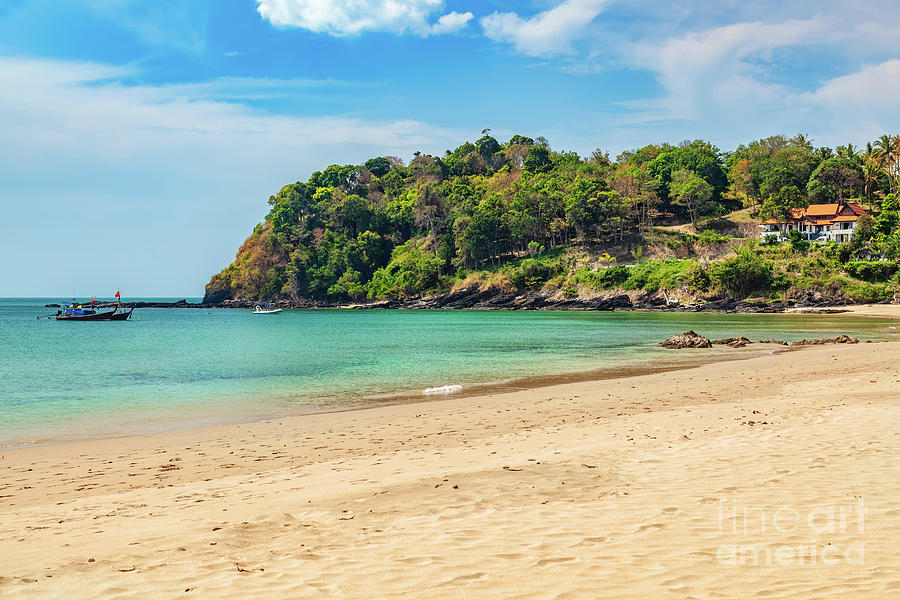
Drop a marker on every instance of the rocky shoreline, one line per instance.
(475, 298)
(691, 339)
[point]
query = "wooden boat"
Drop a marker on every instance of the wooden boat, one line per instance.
(78, 313)
(259, 310)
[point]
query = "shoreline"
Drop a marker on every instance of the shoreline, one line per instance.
(475, 298)
(609, 489)
(630, 367)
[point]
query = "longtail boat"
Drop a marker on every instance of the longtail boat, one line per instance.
(77, 312)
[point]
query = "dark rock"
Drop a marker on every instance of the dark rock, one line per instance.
(841, 339)
(217, 296)
(738, 342)
(688, 339)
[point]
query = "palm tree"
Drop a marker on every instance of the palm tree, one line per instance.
(802, 141)
(887, 152)
(823, 153)
(895, 166)
(871, 173)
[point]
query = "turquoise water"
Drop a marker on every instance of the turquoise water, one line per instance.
(177, 368)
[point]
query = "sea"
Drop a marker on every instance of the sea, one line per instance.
(175, 369)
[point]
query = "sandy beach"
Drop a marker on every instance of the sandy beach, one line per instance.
(769, 477)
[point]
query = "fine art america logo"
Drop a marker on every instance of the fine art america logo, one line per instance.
(791, 536)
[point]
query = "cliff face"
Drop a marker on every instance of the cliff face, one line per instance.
(254, 272)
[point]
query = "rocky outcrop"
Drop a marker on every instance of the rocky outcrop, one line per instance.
(734, 342)
(841, 339)
(688, 339)
(495, 298)
(217, 295)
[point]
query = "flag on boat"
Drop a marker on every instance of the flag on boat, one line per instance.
(117, 294)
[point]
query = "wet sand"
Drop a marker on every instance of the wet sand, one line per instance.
(771, 477)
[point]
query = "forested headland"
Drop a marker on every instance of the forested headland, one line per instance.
(679, 221)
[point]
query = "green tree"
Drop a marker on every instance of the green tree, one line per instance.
(692, 192)
(538, 159)
(834, 180)
(379, 166)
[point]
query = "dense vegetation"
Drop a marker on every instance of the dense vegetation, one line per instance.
(524, 216)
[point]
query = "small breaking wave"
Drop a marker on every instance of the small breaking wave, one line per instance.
(444, 389)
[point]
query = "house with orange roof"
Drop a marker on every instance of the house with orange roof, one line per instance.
(816, 222)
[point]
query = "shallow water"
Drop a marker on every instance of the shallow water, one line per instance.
(178, 368)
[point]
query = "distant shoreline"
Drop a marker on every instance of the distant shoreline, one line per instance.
(497, 300)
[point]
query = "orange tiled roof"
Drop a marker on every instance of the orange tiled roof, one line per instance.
(846, 218)
(822, 209)
(819, 214)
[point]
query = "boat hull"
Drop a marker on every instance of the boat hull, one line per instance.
(105, 316)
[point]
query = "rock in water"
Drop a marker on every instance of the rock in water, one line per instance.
(688, 339)
(734, 342)
(841, 339)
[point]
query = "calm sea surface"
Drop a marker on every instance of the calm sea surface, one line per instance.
(177, 368)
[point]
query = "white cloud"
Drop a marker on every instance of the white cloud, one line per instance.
(85, 108)
(873, 86)
(735, 83)
(546, 33)
(255, 88)
(702, 72)
(451, 22)
(352, 17)
(170, 175)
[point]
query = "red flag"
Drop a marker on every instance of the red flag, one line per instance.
(92, 300)
(117, 294)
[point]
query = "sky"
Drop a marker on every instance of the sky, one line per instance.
(140, 141)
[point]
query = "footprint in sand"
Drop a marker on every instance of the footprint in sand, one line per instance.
(651, 527)
(465, 578)
(552, 561)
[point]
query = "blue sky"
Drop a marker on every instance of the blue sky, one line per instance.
(139, 141)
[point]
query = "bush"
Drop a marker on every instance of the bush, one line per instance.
(412, 270)
(797, 242)
(708, 237)
(650, 276)
(865, 292)
(532, 273)
(871, 271)
(612, 277)
(739, 277)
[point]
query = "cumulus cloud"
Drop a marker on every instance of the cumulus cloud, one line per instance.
(451, 22)
(702, 71)
(546, 33)
(723, 83)
(352, 17)
(871, 86)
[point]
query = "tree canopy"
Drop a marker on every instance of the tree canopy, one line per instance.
(385, 229)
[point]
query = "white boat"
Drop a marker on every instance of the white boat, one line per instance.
(259, 310)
